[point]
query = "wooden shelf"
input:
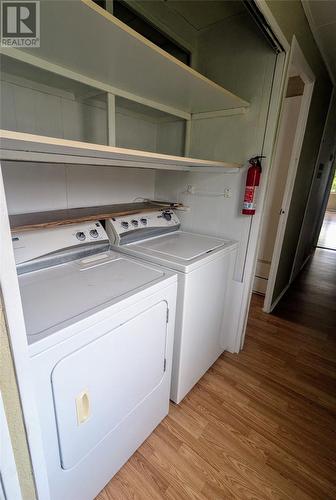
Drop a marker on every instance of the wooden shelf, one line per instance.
(18, 146)
(128, 65)
(53, 218)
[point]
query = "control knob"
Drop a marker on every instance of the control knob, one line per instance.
(134, 223)
(80, 236)
(143, 221)
(167, 216)
(94, 233)
(124, 224)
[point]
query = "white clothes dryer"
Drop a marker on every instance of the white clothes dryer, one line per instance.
(100, 331)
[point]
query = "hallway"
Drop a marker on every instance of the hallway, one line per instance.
(261, 424)
(311, 299)
(327, 238)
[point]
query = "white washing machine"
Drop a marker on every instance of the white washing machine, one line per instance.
(205, 272)
(100, 331)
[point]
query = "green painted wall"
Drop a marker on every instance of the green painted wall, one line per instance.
(292, 20)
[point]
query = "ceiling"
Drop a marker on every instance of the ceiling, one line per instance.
(202, 14)
(321, 15)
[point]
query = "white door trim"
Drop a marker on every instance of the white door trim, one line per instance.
(267, 13)
(279, 85)
(302, 67)
(255, 231)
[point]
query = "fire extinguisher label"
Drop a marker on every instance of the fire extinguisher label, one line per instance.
(249, 203)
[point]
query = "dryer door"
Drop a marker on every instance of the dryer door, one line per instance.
(98, 386)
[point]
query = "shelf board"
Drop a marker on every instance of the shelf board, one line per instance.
(120, 58)
(18, 146)
(53, 218)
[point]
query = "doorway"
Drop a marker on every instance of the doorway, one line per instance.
(274, 257)
(276, 189)
(327, 236)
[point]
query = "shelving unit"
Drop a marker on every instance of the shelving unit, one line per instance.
(19, 146)
(147, 74)
(80, 97)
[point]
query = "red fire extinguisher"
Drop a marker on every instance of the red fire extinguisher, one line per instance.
(252, 183)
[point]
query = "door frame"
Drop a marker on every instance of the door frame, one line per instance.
(242, 306)
(318, 224)
(318, 227)
(298, 60)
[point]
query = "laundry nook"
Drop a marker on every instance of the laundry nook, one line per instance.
(150, 169)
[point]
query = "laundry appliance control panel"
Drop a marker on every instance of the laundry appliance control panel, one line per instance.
(130, 228)
(38, 242)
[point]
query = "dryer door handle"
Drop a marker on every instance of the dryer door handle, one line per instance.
(83, 407)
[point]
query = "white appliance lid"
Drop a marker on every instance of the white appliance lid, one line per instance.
(181, 245)
(57, 294)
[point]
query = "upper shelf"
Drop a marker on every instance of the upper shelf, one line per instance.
(81, 38)
(19, 146)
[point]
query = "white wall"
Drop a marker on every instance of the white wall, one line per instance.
(42, 110)
(171, 137)
(144, 138)
(161, 134)
(37, 187)
(28, 106)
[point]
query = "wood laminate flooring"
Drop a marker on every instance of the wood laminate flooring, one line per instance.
(260, 424)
